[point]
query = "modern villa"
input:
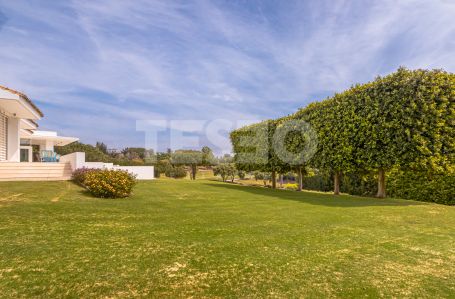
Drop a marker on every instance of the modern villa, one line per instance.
(18, 129)
(28, 154)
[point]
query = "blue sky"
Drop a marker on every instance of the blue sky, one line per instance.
(96, 67)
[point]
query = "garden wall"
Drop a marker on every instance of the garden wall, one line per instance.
(77, 160)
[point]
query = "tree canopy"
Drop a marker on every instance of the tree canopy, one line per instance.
(405, 119)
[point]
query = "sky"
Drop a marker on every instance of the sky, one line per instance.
(98, 68)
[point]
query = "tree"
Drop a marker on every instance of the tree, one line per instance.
(404, 120)
(208, 158)
(226, 158)
(92, 154)
(254, 151)
(135, 152)
(102, 147)
(163, 166)
(225, 170)
(330, 120)
(163, 156)
(258, 175)
(295, 143)
(190, 158)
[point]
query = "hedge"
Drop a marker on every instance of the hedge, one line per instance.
(405, 120)
(421, 186)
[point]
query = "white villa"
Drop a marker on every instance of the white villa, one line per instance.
(28, 154)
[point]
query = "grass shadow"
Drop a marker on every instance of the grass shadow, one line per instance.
(316, 198)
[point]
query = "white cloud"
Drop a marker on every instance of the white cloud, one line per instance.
(201, 60)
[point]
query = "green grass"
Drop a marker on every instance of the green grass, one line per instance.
(181, 238)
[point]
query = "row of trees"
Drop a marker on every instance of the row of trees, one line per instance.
(171, 163)
(404, 120)
(100, 153)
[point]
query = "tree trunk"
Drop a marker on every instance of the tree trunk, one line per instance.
(336, 183)
(273, 179)
(193, 171)
(281, 180)
(300, 179)
(381, 184)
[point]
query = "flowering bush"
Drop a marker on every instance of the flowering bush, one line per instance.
(290, 186)
(79, 175)
(107, 183)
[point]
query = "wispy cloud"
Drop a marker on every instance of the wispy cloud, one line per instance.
(98, 66)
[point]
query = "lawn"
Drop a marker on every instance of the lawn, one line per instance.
(182, 238)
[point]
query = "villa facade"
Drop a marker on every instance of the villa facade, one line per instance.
(27, 153)
(19, 130)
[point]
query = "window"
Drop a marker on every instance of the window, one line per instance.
(24, 154)
(25, 141)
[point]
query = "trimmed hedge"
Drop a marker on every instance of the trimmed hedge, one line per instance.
(423, 187)
(404, 120)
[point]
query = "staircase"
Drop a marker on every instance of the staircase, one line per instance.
(15, 171)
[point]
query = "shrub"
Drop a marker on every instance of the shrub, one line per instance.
(128, 162)
(225, 170)
(176, 172)
(363, 183)
(258, 175)
(106, 183)
(163, 167)
(287, 177)
(290, 186)
(79, 174)
(241, 174)
(438, 188)
(319, 182)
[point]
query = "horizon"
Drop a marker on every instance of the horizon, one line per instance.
(96, 70)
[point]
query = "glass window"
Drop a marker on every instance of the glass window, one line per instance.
(25, 141)
(25, 154)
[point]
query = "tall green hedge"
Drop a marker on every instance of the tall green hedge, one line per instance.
(405, 120)
(254, 151)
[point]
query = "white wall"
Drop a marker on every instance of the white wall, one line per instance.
(48, 145)
(142, 172)
(14, 140)
(77, 160)
(98, 165)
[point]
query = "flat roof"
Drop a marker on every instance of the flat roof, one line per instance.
(24, 97)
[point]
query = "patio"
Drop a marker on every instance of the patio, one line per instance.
(38, 146)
